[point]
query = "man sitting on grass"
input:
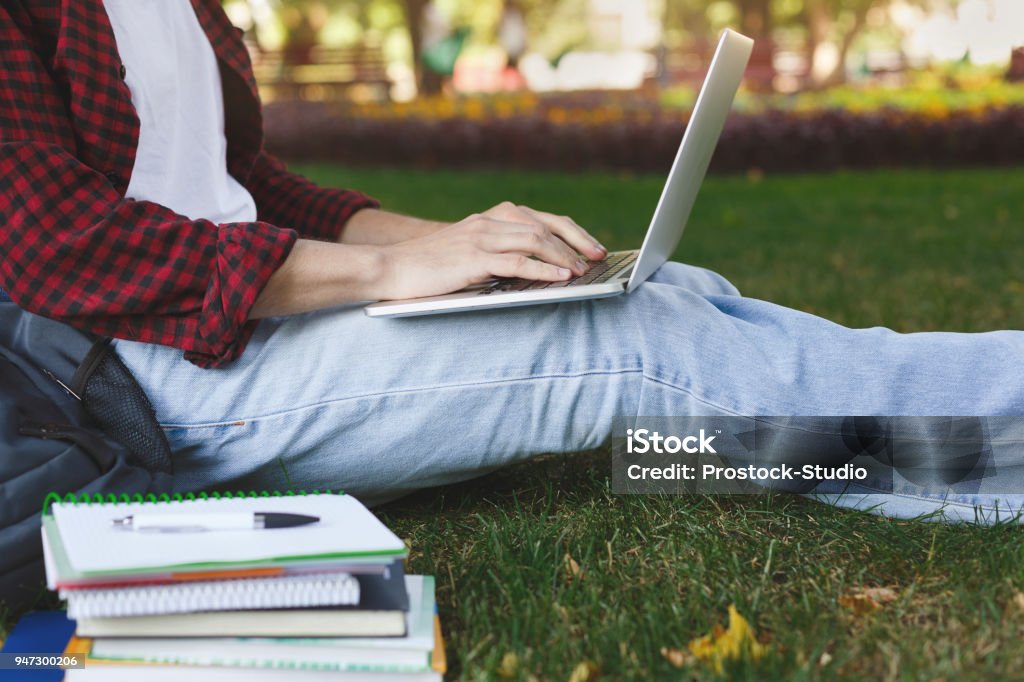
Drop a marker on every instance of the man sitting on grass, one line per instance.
(137, 203)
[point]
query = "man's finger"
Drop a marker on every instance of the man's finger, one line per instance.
(567, 229)
(535, 236)
(550, 250)
(564, 228)
(509, 265)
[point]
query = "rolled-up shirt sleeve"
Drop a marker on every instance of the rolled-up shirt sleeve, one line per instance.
(75, 250)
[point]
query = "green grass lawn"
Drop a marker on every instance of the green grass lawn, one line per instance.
(909, 250)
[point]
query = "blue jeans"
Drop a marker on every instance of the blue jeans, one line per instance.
(380, 408)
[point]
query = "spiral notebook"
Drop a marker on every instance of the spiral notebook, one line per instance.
(80, 540)
(235, 594)
(381, 612)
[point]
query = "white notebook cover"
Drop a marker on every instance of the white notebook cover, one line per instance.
(346, 529)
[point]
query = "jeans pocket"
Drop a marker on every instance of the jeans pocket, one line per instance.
(207, 455)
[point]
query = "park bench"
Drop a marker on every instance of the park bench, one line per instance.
(323, 73)
(689, 65)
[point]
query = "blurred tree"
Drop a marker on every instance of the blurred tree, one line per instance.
(1015, 74)
(513, 34)
(831, 28)
(414, 11)
(840, 23)
(756, 21)
(302, 21)
(834, 25)
(683, 21)
(555, 28)
(755, 17)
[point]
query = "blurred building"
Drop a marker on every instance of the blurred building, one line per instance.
(622, 37)
(982, 31)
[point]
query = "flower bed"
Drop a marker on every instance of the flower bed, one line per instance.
(634, 134)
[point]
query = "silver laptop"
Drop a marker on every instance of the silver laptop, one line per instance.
(621, 271)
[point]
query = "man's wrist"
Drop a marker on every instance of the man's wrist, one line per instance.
(365, 280)
(319, 275)
(374, 226)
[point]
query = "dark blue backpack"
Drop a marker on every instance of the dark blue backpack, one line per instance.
(72, 420)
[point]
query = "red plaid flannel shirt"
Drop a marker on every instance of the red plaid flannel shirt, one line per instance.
(74, 249)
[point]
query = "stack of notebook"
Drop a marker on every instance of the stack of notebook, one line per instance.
(164, 585)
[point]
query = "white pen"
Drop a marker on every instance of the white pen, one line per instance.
(193, 523)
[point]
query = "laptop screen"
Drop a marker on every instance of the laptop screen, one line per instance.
(694, 155)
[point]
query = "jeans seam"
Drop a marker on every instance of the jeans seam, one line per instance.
(943, 502)
(640, 371)
(955, 503)
(422, 389)
(689, 392)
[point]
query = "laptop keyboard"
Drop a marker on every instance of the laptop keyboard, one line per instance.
(600, 271)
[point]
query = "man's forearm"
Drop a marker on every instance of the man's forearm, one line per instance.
(388, 256)
(373, 226)
(319, 275)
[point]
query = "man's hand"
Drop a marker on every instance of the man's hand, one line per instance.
(506, 241)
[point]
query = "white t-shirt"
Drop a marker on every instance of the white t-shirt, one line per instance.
(172, 72)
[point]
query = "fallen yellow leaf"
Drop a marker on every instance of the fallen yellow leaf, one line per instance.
(882, 595)
(584, 672)
(509, 666)
(723, 644)
(572, 569)
(859, 604)
(868, 600)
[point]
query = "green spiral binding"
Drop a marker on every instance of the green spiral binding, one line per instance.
(150, 498)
